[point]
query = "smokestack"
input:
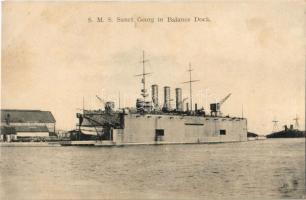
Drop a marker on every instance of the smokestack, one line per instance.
(187, 107)
(195, 107)
(178, 99)
(155, 95)
(166, 98)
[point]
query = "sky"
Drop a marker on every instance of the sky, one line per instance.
(54, 54)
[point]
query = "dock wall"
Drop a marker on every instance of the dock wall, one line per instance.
(150, 129)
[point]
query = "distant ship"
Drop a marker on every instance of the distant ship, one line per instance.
(287, 133)
(151, 123)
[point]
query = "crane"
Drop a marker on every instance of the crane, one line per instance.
(101, 100)
(215, 107)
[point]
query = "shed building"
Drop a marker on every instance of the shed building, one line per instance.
(29, 123)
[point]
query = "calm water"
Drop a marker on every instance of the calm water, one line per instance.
(271, 168)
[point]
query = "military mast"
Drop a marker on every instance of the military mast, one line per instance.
(190, 85)
(143, 93)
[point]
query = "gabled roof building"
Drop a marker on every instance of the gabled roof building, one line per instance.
(27, 122)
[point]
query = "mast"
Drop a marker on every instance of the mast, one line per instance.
(190, 85)
(83, 105)
(242, 111)
(119, 100)
(143, 93)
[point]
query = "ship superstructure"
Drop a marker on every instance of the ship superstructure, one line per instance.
(153, 123)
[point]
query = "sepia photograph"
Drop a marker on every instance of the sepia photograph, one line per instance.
(152, 100)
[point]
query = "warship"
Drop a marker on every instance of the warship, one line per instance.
(287, 133)
(152, 123)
